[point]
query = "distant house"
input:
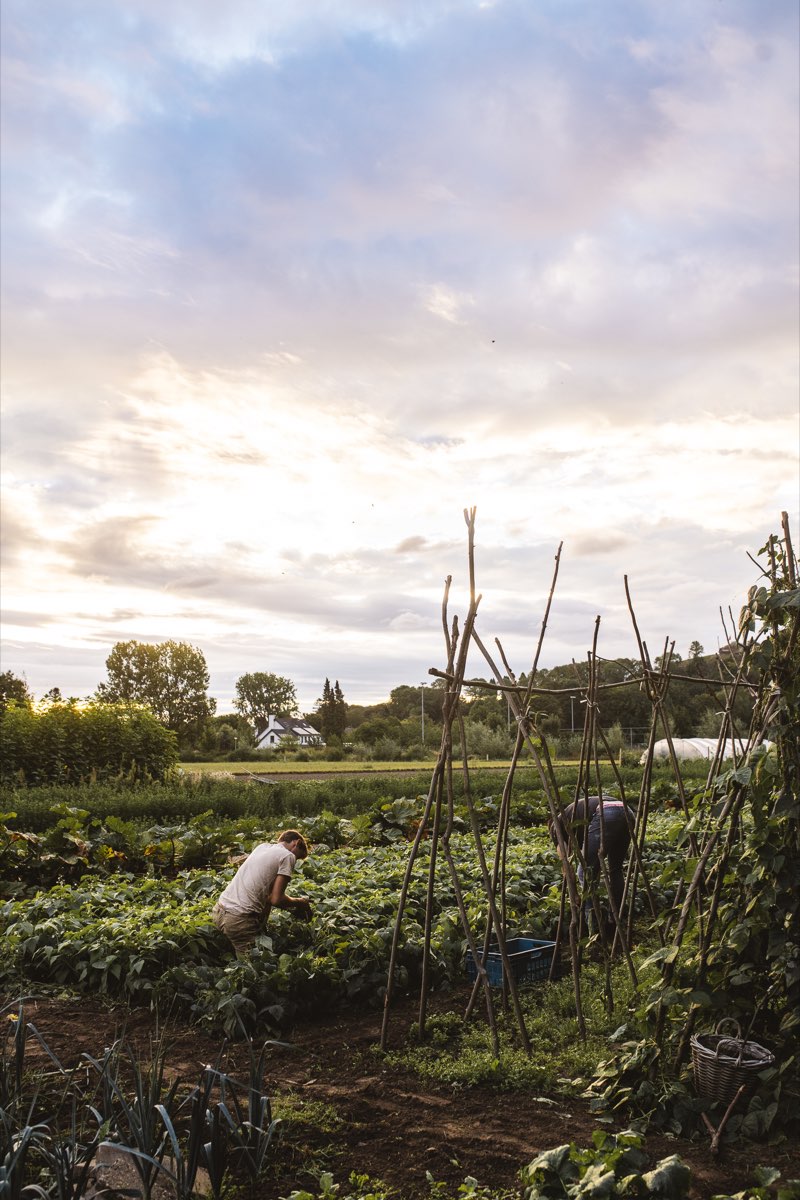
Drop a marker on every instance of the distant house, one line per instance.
(283, 729)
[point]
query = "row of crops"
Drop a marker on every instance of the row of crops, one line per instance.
(119, 905)
(108, 889)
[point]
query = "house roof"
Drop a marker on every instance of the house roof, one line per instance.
(289, 727)
(292, 725)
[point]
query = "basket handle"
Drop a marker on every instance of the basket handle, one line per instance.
(737, 1040)
(730, 1021)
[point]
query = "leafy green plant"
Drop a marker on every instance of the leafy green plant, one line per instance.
(129, 1105)
(613, 1166)
(734, 948)
(359, 1187)
(71, 744)
(767, 1185)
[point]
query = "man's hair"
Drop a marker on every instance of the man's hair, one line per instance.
(291, 835)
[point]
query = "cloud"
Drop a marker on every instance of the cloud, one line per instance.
(600, 543)
(288, 287)
(445, 303)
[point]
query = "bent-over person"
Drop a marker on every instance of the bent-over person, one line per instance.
(617, 823)
(259, 885)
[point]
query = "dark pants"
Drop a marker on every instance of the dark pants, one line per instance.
(617, 839)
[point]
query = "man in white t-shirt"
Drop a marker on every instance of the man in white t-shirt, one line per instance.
(259, 884)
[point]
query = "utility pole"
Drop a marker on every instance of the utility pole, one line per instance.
(422, 709)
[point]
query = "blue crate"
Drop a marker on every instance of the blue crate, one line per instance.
(528, 958)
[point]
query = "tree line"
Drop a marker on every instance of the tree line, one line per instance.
(171, 680)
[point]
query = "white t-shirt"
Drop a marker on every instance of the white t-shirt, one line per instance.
(248, 891)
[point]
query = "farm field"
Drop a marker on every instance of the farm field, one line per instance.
(106, 927)
(345, 1109)
(287, 767)
(323, 767)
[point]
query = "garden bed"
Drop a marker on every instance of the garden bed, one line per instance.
(345, 1109)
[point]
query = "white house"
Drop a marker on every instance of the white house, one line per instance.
(280, 729)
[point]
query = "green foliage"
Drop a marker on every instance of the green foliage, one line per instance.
(740, 956)
(13, 690)
(260, 695)
(331, 711)
(125, 1104)
(68, 744)
(170, 678)
(461, 1054)
(151, 935)
(767, 1186)
(187, 795)
(358, 1187)
(612, 1167)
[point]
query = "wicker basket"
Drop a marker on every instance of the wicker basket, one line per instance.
(722, 1064)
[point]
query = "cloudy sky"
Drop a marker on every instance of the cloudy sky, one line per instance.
(287, 286)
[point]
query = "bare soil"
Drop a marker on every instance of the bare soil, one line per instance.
(389, 1124)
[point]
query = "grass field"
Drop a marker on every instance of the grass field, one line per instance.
(283, 767)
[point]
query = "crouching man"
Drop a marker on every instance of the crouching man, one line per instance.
(260, 883)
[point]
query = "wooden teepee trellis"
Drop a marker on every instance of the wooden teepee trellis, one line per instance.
(709, 844)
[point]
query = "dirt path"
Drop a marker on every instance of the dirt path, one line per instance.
(388, 1124)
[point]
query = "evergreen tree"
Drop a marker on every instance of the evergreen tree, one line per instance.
(339, 711)
(331, 711)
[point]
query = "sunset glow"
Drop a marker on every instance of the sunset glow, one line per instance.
(287, 287)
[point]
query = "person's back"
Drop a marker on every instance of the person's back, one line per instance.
(599, 822)
(260, 883)
(248, 891)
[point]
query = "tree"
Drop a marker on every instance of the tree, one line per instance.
(232, 724)
(406, 701)
(331, 711)
(171, 678)
(695, 650)
(261, 695)
(13, 688)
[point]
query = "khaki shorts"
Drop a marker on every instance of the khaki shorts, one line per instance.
(241, 929)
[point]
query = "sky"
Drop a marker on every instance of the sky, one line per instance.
(288, 287)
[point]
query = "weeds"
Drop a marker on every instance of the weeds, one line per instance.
(461, 1055)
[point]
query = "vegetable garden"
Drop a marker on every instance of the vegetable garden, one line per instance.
(107, 892)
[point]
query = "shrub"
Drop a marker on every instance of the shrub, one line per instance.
(65, 743)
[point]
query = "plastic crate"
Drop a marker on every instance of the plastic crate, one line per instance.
(528, 958)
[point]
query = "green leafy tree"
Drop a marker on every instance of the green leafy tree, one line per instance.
(227, 731)
(260, 695)
(13, 688)
(170, 678)
(380, 728)
(406, 701)
(695, 650)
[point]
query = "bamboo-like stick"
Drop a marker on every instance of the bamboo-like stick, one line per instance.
(566, 865)
(451, 642)
(788, 551)
(401, 904)
(427, 928)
